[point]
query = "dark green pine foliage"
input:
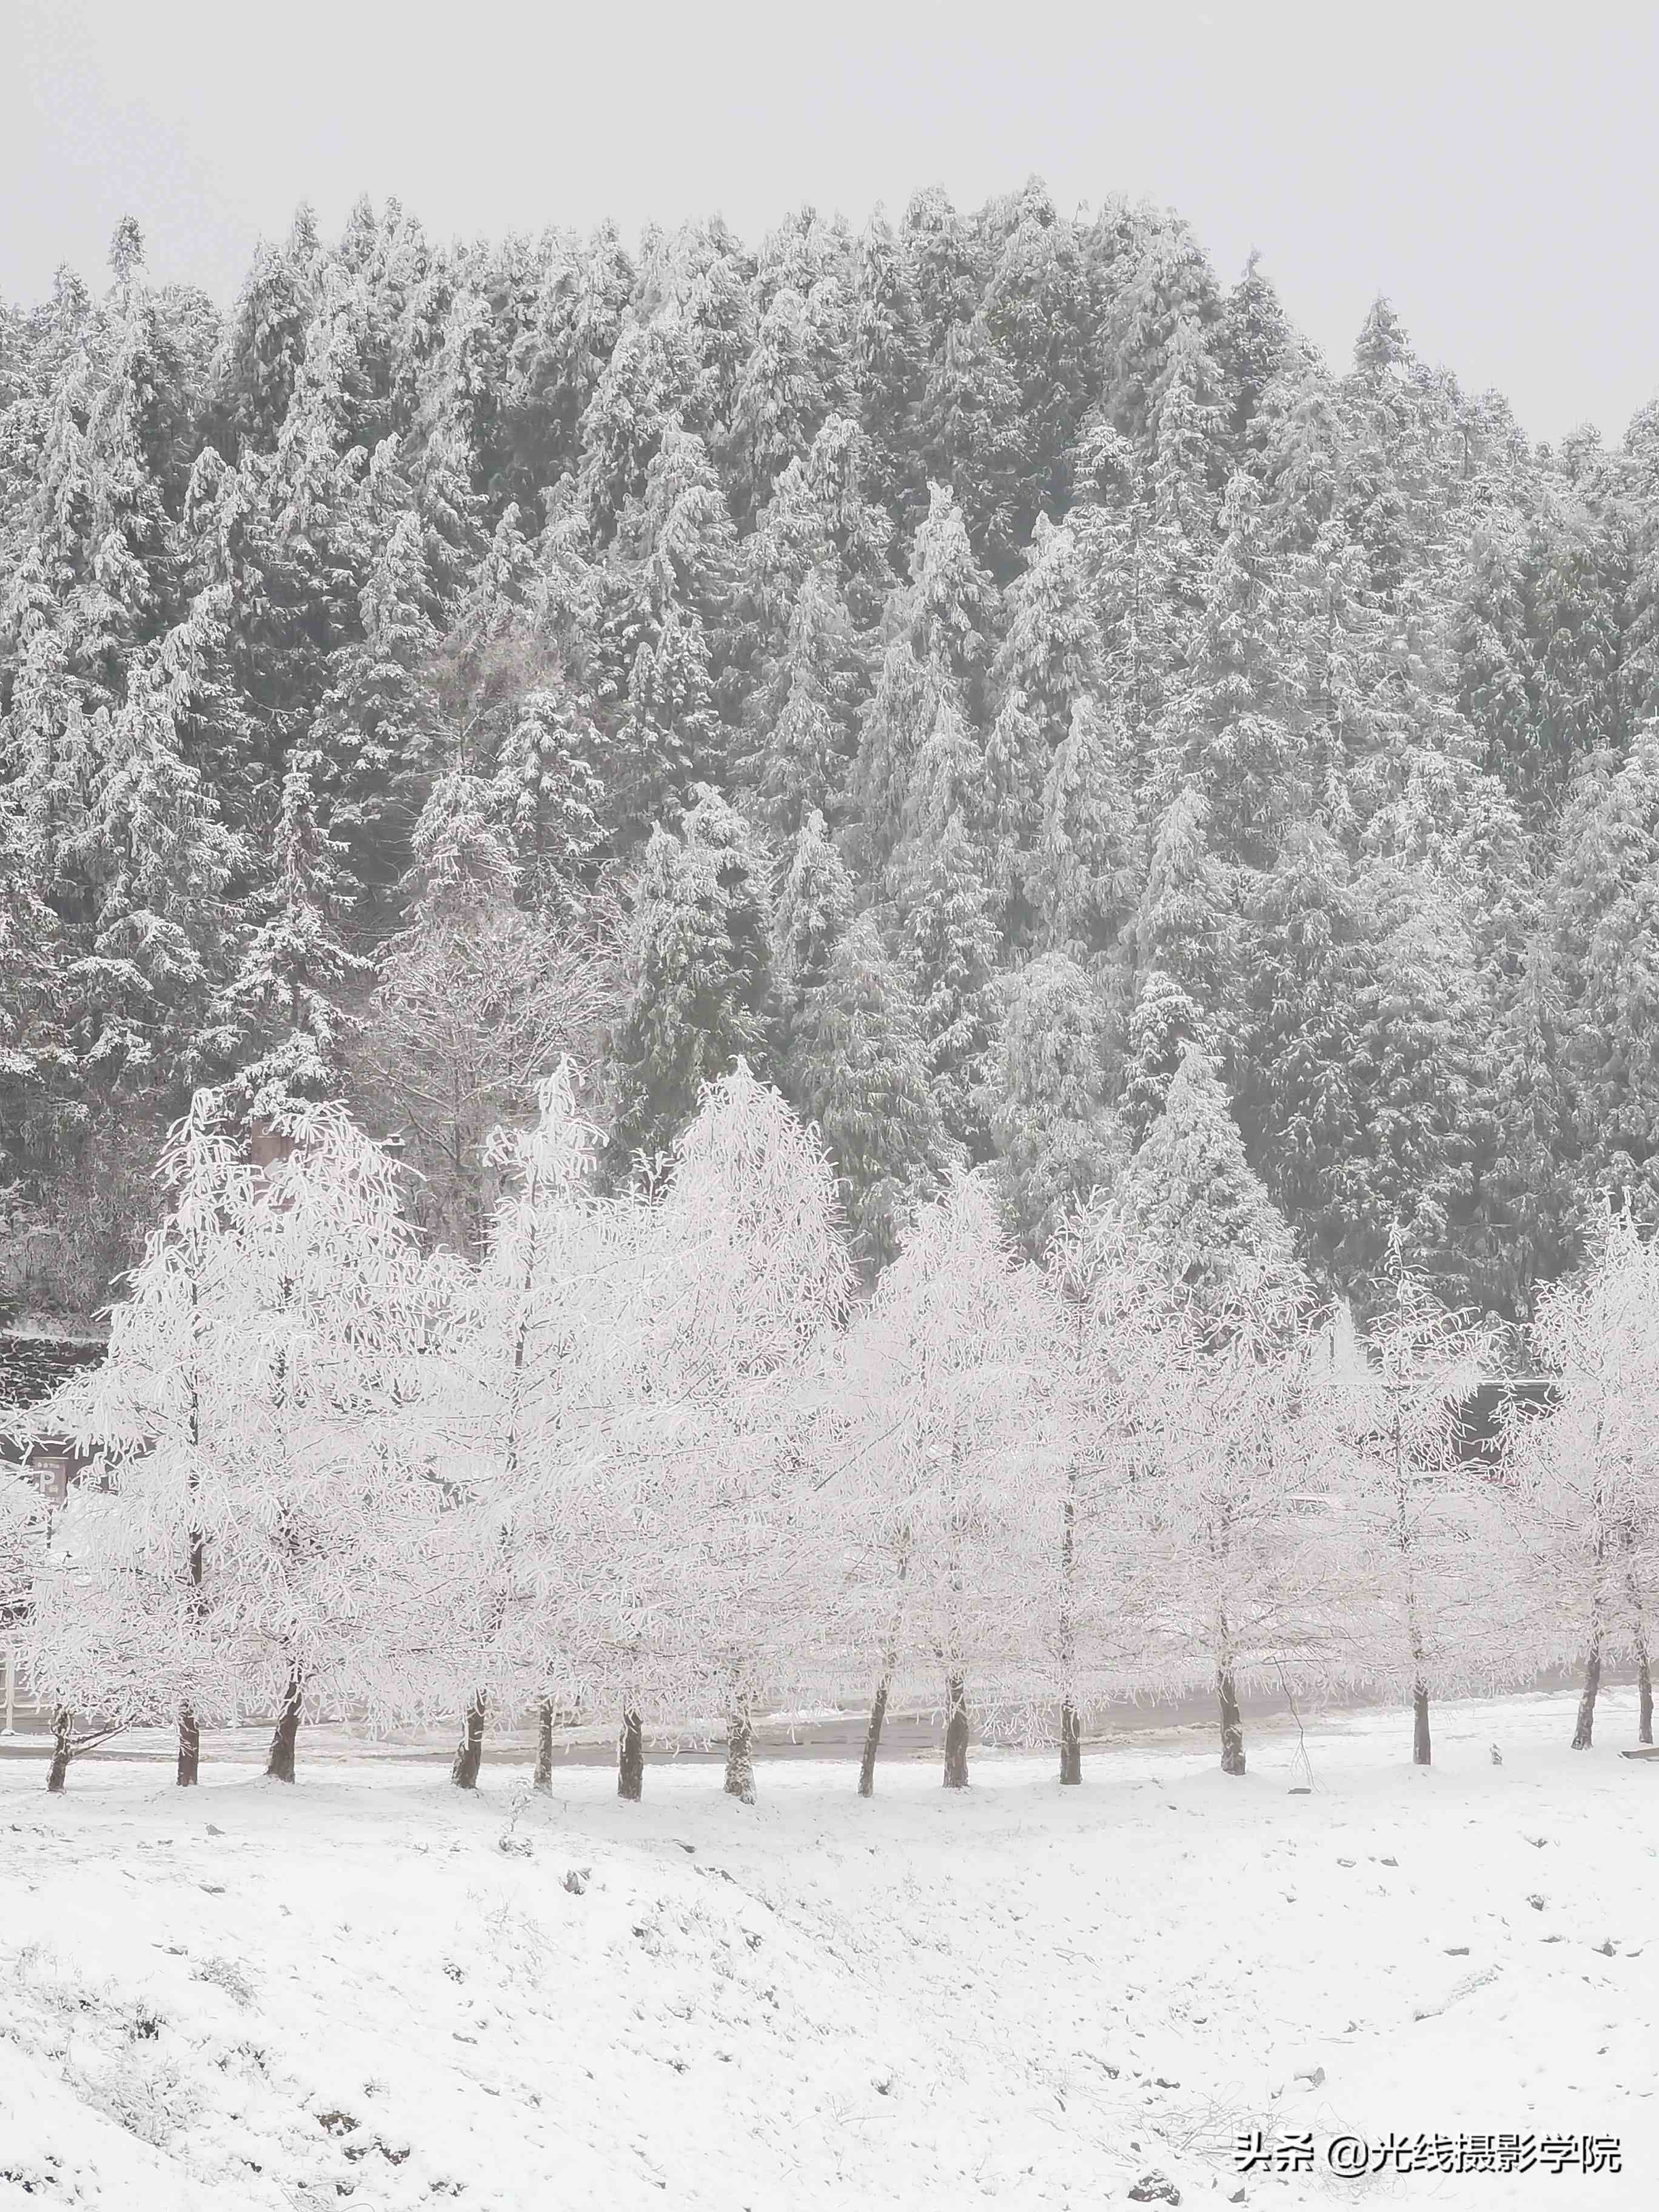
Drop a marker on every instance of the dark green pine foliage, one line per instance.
(1057, 1144)
(815, 902)
(671, 732)
(1256, 344)
(285, 1011)
(1200, 1216)
(549, 797)
(968, 433)
(699, 996)
(949, 941)
(1167, 301)
(1304, 986)
(858, 1069)
(802, 717)
(1603, 910)
(1041, 312)
(265, 340)
(1239, 732)
(159, 860)
(377, 730)
(1422, 1074)
(1183, 941)
(1086, 872)
(37, 1069)
(889, 356)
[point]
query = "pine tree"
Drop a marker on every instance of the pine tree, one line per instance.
(698, 982)
(859, 1068)
(376, 733)
(1183, 948)
(815, 903)
(1205, 1225)
(550, 799)
(158, 859)
(802, 716)
(670, 734)
(294, 966)
(1056, 1138)
(1086, 868)
(1304, 995)
(265, 340)
(1256, 344)
(780, 400)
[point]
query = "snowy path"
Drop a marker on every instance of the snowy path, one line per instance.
(347, 1992)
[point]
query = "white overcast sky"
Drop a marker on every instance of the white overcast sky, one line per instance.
(1493, 169)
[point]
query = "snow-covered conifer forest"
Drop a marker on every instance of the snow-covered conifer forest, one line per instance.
(891, 971)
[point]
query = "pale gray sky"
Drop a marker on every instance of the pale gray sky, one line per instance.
(1494, 169)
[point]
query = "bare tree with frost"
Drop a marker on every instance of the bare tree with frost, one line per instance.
(942, 1496)
(1435, 1591)
(511, 1415)
(714, 1563)
(1585, 1469)
(122, 1622)
(1234, 1445)
(1087, 1593)
(256, 1542)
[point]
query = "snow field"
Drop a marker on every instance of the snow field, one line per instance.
(351, 1992)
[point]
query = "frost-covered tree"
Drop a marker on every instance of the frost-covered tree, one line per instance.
(510, 1413)
(936, 1491)
(750, 1277)
(273, 1400)
(1432, 1581)
(1057, 1141)
(1582, 1466)
(858, 1066)
(697, 989)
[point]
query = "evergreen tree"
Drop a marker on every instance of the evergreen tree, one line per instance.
(858, 1069)
(1086, 868)
(1304, 996)
(1204, 1225)
(1057, 1143)
(376, 731)
(550, 799)
(698, 989)
(1183, 939)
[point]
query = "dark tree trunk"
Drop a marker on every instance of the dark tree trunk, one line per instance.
(190, 1736)
(279, 1767)
(544, 1744)
(1422, 1750)
(189, 1748)
(469, 1753)
(1586, 1728)
(1232, 1727)
(740, 1756)
(63, 1740)
(872, 1737)
(1071, 1743)
(1070, 1727)
(1644, 1694)
(630, 1758)
(879, 1708)
(955, 1733)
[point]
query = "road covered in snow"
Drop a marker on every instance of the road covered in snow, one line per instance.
(371, 1988)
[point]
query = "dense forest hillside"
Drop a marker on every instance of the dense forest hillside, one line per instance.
(956, 665)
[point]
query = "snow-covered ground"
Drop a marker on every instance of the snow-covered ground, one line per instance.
(371, 1990)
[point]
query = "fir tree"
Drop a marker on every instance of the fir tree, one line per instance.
(859, 1068)
(1203, 1222)
(698, 995)
(1056, 1141)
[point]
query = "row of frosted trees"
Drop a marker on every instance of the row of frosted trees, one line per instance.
(661, 1454)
